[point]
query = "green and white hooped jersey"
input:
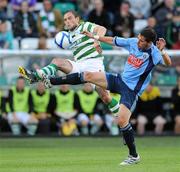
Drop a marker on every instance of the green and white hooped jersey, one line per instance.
(82, 46)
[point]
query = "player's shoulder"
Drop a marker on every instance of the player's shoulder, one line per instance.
(85, 23)
(132, 41)
(154, 49)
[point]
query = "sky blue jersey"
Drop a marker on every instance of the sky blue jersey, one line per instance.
(139, 64)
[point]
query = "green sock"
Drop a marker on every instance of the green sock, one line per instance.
(49, 70)
(113, 106)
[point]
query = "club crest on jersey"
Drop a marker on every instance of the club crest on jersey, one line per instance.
(135, 62)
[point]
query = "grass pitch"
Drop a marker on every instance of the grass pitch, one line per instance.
(159, 154)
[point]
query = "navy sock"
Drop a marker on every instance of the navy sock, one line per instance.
(73, 79)
(128, 135)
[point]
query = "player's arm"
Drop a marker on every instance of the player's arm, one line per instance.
(161, 43)
(98, 37)
(99, 30)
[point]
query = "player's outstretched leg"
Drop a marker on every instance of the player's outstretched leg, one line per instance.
(27, 74)
(97, 78)
(49, 70)
(72, 79)
(128, 135)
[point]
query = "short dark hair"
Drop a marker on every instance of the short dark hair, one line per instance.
(126, 2)
(149, 34)
(20, 77)
(73, 12)
(3, 19)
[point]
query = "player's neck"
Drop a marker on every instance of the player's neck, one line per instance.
(75, 28)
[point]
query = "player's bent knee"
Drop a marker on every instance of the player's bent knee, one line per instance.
(122, 121)
(88, 76)
(177, 119)
(58, 61)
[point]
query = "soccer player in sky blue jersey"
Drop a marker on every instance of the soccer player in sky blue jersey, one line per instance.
(143, 57)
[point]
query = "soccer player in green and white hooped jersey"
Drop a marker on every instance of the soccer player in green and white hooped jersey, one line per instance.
(86, 52)
(83, 47)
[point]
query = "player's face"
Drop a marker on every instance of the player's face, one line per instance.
(142, 43)
(47, 5)
(20, 84)
(3, 27)
(24, 6)
(64, 88)
(70, 21)
(88, 88)
(149, 88)
(40, 88)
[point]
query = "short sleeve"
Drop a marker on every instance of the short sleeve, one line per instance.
(157, 57)
(121, 42)
(88, 26)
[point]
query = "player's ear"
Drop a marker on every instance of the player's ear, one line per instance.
(78, 19)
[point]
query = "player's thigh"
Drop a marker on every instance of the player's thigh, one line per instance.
(64, 65)
(82, 118)
(97, 78)
(76, 68)
(159, 120)
(23, 117)
(177, 119)
(142, 120)
(97, 119)
(91, 65)
(114, 82)
(11, 118)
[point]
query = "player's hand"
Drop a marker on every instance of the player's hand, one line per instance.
(98, 47)
(161, 43)
(89, 34)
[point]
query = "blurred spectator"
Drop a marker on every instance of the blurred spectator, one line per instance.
(140, 8)
(112, 6)
(49, 21)
(149, 111)
(3, 114)
(151, 22)
(1, 111)
(99, 16)
(42, 101)
(124, 21)
(176, 102)
(6, 36)
(3, 6)
(178, 70)
(65, 109)
(166, 14)
(85, 7)
(20, 103)
(16, 5)
(173, 30)
(37, 63)
(24, 22)
(176, 45)
(88, 117)
(155, 5)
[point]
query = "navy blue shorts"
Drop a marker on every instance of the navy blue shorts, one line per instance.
(116, 85)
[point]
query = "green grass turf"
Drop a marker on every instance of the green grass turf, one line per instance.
(159, 154)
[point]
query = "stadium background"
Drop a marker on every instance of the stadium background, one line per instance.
(35, 48)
